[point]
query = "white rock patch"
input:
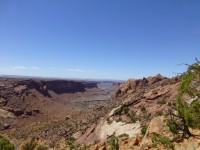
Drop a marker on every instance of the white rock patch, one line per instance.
(113, 111)
(118, 128)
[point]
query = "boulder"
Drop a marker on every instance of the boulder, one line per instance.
(155, 79)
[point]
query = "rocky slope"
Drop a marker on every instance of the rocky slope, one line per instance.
(136, 102)
(139, 103)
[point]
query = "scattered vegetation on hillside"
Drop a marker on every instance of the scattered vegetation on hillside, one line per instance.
(130, 114)
(73, 146)
(186, 115)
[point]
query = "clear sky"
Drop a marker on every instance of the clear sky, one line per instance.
(105, 39)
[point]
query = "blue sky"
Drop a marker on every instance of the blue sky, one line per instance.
(103, 39)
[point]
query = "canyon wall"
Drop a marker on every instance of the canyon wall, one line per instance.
(57, 86)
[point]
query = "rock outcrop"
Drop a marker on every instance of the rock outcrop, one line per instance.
(131, 85)
(107, 127)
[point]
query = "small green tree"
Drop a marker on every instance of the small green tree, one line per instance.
(187, 115)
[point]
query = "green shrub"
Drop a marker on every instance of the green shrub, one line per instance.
(144, 129)
(161, 102)
(6, 145)
(172, 126)
(174, 104)
(119, 120)
(71, 143)
(165, 141)
(95, 142)
(169, 104)
(85, 147)
(154, 145)
(123, 135)
(142, 108)
(113, 143)
(132, 117)
(147, 116)
(41, 147)
(159, 113)
(126, 110)
(30, 145)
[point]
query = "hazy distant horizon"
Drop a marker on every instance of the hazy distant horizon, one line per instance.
(71, 78)
(56, 78)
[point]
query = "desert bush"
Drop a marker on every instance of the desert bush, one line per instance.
(172, 126)
(113, 143)
(5, 144)
(159, 113)
(132, 117)
(169, 104)
(142, 108)
(165, 141)
(161, 102)
(84, 147)
(41, 147)
(147, 116)
(30, 145)
(119, 120)
(126, 110)
(71, 143)
(123, 135)
(144, 129)
(154, 145)
(95, 142)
